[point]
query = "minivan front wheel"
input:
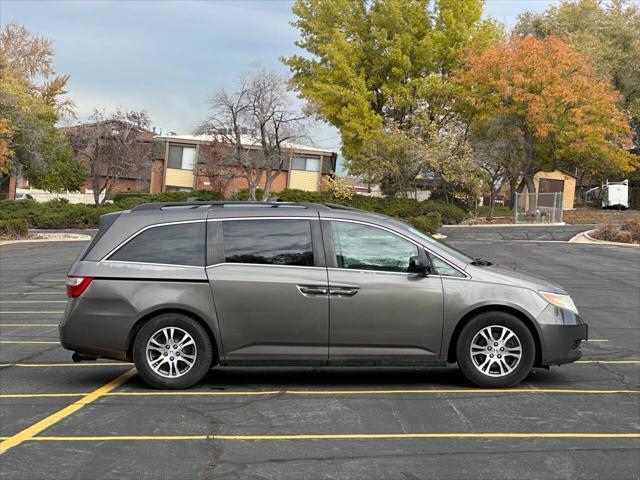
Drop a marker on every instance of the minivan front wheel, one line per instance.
(172, 351)
(495, 350)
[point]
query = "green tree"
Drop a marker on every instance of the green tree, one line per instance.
(30, 144)
(607, 33)
(63, 172)
(376, 64)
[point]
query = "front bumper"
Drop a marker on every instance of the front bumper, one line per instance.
(562, 332)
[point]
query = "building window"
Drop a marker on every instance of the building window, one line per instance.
(308, 164)
(181, 157)
(273, 242)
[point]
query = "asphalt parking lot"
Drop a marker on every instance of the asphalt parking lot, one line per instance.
(64, 420)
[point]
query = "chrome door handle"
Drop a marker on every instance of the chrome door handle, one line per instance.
(343, 291)
(312, 290)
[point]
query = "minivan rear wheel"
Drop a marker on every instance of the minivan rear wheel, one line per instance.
(495, 350)
(172, 351)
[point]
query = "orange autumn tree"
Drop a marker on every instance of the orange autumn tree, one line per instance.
(568, 116)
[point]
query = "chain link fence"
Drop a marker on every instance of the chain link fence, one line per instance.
(538, 208)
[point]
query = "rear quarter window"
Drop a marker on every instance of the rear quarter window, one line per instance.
(179, 244)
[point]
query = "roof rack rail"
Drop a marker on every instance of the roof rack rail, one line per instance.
(221, 204)
(335, 206)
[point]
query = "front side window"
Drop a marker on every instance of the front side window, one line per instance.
(363, 247)
(179, 244)
(182, 157)
(271, 242)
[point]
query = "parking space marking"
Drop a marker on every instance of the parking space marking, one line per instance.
(31, 312)
(33, 293)
(30, 432)
(619, 362)
(29, 342)
(345, 436)
(28, 325)
(592, 340)
(39, 395)
(200, 393)
(46, 365)
(2, 302)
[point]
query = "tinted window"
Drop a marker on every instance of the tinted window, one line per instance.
(181, 244)
(275, 242)
(362, 247)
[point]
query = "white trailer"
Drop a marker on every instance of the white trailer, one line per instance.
(615, 195)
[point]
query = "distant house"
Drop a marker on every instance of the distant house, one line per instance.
(180, 163)
(557, 181)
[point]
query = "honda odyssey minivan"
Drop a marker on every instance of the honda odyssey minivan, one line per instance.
(181, 287)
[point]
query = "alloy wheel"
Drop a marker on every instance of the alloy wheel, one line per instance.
(496, 351)
(171, 352)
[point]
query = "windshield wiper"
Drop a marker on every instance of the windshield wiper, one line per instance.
(481, 263)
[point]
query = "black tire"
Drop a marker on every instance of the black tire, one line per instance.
(520, 369)
(203, 352)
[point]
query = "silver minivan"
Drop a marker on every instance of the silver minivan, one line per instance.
(181, 287)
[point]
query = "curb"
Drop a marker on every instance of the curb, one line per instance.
(500, 225)
(75, 238)
(586, 238)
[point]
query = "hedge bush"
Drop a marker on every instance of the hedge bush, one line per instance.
(14, 228)
(127, 200)
(403, 208)
(58, 214)
(55, 214)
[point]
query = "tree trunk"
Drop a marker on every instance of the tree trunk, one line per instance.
(492, 203)
(95, 184)
(252, 192)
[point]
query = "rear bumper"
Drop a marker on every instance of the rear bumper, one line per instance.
(561, 339)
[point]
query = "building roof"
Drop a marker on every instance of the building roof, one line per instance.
(247, 140)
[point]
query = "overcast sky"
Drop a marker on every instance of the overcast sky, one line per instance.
(167, 57)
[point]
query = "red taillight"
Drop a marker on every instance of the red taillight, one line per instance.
(77, 285)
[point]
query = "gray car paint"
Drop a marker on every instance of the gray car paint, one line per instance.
(257, 315)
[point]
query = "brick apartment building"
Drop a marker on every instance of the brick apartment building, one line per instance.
(181, 160)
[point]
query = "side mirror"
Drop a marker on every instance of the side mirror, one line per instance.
(419, 265)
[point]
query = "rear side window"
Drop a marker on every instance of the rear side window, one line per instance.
(180, 244)
(272, 242)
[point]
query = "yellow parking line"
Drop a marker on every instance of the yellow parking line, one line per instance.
(31, 312)
(621, 362)
(28, 325)
(346, 436)
(33, 293)
(29, 342)
(2, 302)
(44, 395)
(196, 393)
(460, 390)
(45, 365)
(36, 428)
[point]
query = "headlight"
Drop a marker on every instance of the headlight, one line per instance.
(562, 301)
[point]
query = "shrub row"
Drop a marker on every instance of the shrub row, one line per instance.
(404, 208)
(14, 228)
(59, 214)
